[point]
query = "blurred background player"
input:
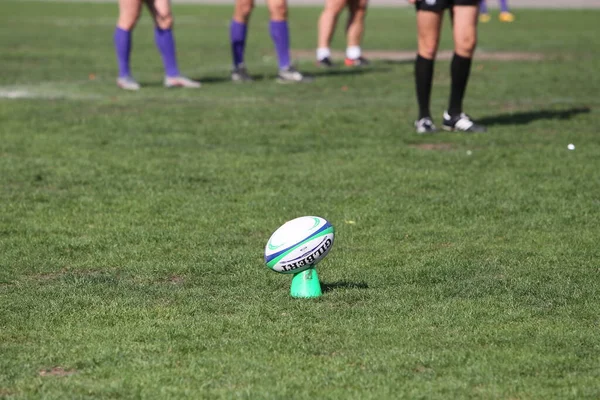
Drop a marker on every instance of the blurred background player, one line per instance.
(278, 28)
(505, 14)
(464, 14)
(357, 9)
(129, 12)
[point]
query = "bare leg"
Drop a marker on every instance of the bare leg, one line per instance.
(278, 10)
(327, 23)
(464, 29)
(429, 25)
(129, 12)
(356, 22)
(243, 10)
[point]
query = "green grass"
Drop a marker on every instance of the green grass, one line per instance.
(132, 225)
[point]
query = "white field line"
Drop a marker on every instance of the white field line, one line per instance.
(15, 94)
(47, 92)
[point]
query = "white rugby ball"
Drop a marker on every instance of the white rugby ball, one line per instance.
(299, 244)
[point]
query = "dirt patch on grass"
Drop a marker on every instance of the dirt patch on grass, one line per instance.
(50, 276)
(176, 280)
(57, 371)
(6, 392)
(421, 369)
(434, 146)
(409, 55)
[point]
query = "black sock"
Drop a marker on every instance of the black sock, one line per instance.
(459, 71)
(423, 80)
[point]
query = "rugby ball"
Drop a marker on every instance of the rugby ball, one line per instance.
(299, 244)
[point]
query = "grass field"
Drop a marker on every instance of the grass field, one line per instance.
(132, 225)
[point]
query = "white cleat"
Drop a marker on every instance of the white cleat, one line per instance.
(181, 81)
(425, 125)
(292, 75)
(461, 123)
(127, 83)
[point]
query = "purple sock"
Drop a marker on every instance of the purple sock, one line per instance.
(123, 49)
(166, 45)
(237, 35)
(483, 7)
(281, 39)
(503, 5)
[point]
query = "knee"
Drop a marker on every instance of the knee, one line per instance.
(279, 12)
(164, 21)
(360, 8)
(247, 9)
(127, 22)
(465, 46)
(243, 11)
(428, 49)
(428, 53)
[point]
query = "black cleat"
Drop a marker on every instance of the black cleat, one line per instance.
(325, 63)
(240, 74)
(461, 123)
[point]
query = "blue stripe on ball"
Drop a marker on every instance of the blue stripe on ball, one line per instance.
(275, 255)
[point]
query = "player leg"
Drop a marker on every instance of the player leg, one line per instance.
(327, 23)
(429, 24)
(354, 32)
(129, 12)
(165, 42)
(279, 31)
(238, 31)
(464, 28)
(505, 14)
(280, 34)
(484, 15)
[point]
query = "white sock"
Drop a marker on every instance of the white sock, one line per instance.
(323, 52)
(353, 52)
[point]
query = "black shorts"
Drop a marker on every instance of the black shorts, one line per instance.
(439, 5)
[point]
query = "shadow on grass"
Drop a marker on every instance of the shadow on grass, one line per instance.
(324, 73)
(217, 79)
(151, 84)
(227, 79)
(347, 71)
(202, 79)
(523, 118)
(214, 79)
(398, 62)
(328, 287)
